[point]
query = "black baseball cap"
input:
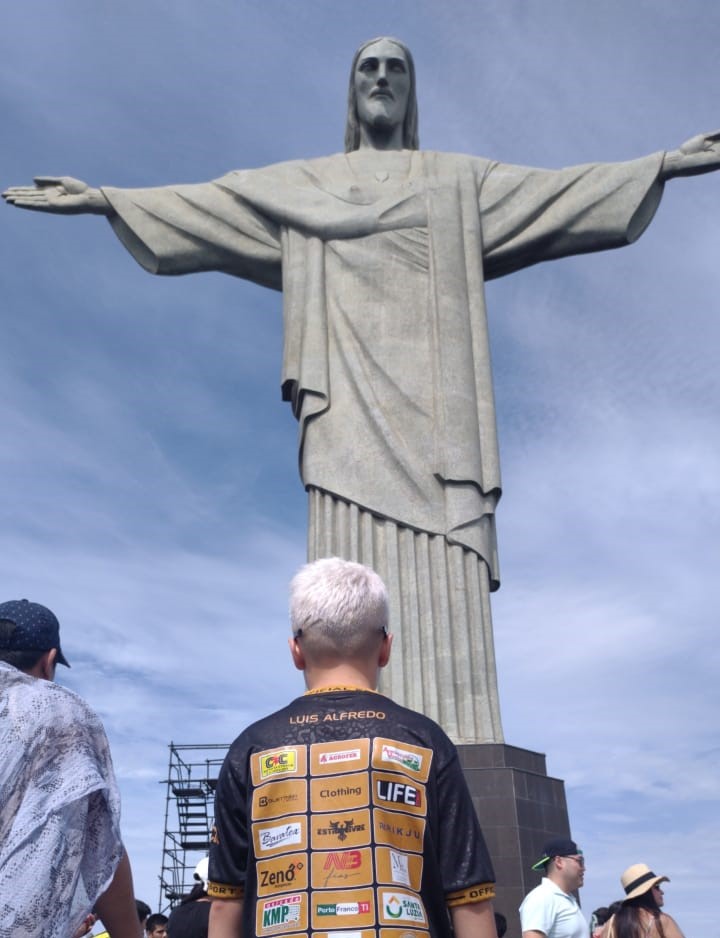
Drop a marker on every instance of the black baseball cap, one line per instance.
(36, 628)
(562, 847)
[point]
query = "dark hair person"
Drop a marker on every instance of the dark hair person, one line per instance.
(640, 914)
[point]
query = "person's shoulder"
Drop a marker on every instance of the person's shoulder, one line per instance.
(39, 690)
(543, 896)
(536, 893)
(419, 722)
(264, 733)
(68, 697)
(73, 714)
(418, 729)
(670, 927)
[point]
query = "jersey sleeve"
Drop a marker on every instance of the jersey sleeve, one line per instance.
(229, 841)
(466, 868)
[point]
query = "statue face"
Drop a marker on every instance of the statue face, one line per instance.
(382, 85)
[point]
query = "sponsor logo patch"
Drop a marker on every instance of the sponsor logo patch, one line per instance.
(344, 755)
(403, 933)
(366, 933)
(339, 792)
(342, 868)
(397, 791)
(412, 760)
(402, 831)
(333, 831)
(346, 908)
(400, 907)
(278, 763)
(286, 835)
(281, 874)
(343, 908)
(284, 914)
(344, 934)
(402, 869)
(403, 757)
(286, 796)
(341, 756)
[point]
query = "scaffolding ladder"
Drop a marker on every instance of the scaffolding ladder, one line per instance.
(189, 811)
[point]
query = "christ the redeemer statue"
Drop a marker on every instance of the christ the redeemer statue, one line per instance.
(381, 253)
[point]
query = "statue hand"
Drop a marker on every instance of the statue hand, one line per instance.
(699, 154)
(61, 195)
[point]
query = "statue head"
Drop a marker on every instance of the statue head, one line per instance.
(410, 121)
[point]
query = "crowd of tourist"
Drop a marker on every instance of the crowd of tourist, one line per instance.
(279, 862)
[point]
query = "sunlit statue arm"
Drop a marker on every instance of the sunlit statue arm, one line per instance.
(64, 195)
(699, 154)
(61, 195)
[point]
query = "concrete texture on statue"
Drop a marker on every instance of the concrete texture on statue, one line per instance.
(519, 808)
(386, 361)
(381, 253)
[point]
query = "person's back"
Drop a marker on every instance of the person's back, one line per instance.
(60, 845)
(328, 812)
(641, 924)
(191, 919)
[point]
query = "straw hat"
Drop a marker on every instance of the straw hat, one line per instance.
(638, 879)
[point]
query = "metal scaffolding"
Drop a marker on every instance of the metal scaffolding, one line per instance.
(189, 811)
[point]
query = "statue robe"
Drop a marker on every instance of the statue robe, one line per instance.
(387, 365)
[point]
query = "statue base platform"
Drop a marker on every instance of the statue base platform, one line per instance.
(519, 808)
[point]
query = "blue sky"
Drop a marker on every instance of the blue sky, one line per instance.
(149, 482)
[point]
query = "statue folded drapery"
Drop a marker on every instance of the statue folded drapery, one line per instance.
(387, 365)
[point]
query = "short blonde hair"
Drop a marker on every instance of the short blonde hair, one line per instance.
(339, 608)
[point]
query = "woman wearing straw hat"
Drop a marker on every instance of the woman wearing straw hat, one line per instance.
(640, 914)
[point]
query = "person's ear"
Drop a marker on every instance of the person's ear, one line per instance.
(298, 658)
(47, 663)
(385, 650)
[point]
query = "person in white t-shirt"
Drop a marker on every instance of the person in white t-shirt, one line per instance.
(551, 909)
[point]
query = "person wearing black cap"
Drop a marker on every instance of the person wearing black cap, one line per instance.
(60, 848)
(551, 910)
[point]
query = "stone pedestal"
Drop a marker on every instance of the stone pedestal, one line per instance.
(519, 808)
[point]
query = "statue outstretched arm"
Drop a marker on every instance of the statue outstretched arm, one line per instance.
(699, 154)
(61, 195)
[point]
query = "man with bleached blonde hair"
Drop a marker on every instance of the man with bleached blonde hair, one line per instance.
(328, 812)
(338, 608)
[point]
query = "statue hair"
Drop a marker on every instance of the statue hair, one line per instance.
(341, 608)
(410, 124)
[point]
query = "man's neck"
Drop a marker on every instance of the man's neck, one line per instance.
(346, 675)
(556, 881)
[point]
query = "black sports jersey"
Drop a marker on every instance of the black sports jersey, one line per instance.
(345, 812)
(189, 920)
